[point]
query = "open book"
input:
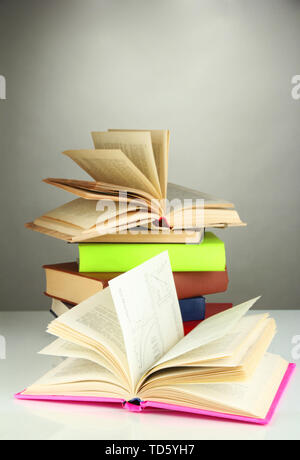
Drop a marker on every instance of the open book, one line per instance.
(126, 344)
(130, 181)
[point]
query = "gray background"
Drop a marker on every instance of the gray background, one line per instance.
(217, 73)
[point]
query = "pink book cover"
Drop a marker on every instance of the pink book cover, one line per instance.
(139, 406)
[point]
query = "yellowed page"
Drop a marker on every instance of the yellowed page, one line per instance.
(62, 227)
(212, 329)
(137, 146)
(85, 214)
(124, 221)
(183, 193)
(112, 167)
(95, 236)
(160, 142)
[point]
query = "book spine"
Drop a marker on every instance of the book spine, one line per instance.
(193, 309)
(196, 284)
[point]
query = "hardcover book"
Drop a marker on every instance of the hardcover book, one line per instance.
(64, 282)
(129, 189)
(123, 347)
(207, 256)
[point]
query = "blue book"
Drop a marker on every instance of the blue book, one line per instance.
(193, 309)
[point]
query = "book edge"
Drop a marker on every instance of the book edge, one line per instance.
(172, 408)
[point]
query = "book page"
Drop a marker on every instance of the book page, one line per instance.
(218, 351)
(112, 225)
(211, 329)
(60, 227)
(70, 350)
(160, 143)
(146, 302)
(112, 167)
(137, 146)
(252, 398)
(74, 374)
(85, 214)
(94, 321)
(183, 193)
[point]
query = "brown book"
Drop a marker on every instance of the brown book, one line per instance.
(64, 282)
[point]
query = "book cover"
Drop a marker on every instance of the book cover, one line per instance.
(64, 282)
(207, 256)
(139, 406)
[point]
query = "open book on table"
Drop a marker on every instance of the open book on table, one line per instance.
(130, 177)
(126, 345)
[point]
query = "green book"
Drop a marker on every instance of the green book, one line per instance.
(102, 257)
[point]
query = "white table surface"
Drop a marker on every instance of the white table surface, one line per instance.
(25, 336)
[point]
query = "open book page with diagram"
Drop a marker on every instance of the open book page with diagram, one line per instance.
(127, 342)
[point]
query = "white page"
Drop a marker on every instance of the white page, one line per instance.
(96, 319)
(212, 329)
(146, 302)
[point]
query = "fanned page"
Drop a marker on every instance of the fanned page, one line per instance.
(224, 350)
(207, 364)
(78, 377)
(85, 214)
(146, 302)
(250, 399)
(94, 324)
(113, 167)
(160, 142)
(71, 350)
(137, 146)
(210, 330)
(183, 193)
(229, 350)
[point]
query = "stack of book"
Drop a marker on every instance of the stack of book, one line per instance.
(198, 270)
(126, 346)
(125, 341)
(130, 214)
